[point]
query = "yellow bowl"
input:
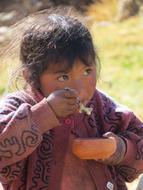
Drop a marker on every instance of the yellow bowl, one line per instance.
(98, 148)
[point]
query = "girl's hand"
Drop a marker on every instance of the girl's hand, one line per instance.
(64, 102)
(119, 154)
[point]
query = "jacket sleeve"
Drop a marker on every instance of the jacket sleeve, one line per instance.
(121, 121)
(132, 133)
(21, 129)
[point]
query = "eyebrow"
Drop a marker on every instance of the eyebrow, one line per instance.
(66, 70)
(61, 71)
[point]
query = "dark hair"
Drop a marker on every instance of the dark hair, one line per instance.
(53, 39)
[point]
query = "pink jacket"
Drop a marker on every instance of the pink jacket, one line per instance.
(35, 148)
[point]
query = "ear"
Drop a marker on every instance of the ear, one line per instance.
(29, 80)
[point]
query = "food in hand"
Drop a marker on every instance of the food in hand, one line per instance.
(84, 109)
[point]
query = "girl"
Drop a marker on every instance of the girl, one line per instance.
(39, 123)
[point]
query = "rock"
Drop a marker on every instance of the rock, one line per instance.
(7, 16)
(126, 9)
(4, 33)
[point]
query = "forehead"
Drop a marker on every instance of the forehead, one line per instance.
(58, 68)
(64, 67)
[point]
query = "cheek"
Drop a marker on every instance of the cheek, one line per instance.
(47, 86)
(46, 90)
(91, 82)
(89, 85)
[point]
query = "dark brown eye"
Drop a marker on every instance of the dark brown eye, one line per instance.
(63, 78)
(87, 71)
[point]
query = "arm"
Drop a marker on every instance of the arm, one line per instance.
(128, 157)
(21, 127)
(131, 165)
(127, 129)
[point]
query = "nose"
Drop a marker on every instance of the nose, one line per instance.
(79, 86)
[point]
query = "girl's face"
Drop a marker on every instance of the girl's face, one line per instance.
(82, 78)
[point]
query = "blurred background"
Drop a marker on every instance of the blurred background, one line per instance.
(117, 29)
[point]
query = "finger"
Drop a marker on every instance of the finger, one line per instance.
(73, 101)
(109, 134)
(69, 102)
(70, 93)
(73, 108)
(71, 111)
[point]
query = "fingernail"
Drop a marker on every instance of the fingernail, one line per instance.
(66, 88)
(78, 100)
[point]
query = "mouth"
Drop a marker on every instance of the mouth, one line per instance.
(82, 104)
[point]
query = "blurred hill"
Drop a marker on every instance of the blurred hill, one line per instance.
(16, 9)
(13, 10)
(101, 10)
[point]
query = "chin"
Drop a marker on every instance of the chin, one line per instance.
(89, 99)
(85, 102)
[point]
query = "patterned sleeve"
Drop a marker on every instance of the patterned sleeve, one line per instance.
(132, 164)
(20, 133)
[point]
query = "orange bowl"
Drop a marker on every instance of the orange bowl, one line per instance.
(98, 148)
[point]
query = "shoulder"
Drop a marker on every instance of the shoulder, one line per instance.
(16, 99)
(115, 113)
(107, 102)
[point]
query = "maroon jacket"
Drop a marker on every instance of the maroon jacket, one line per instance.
(35, 148)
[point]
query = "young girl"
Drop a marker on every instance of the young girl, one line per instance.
(39, 123)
